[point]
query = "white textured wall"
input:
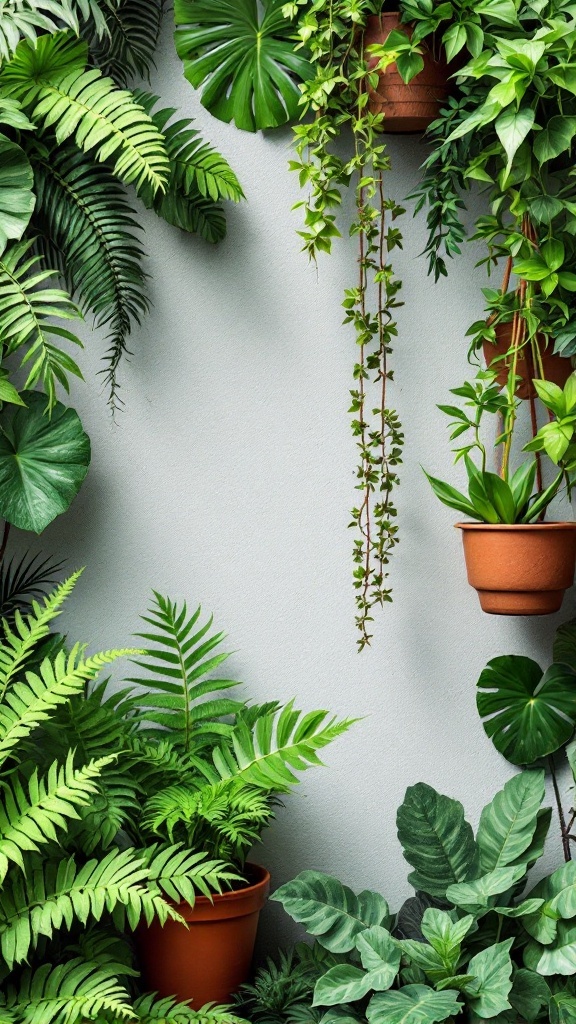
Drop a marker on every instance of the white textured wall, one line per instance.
(229, 481)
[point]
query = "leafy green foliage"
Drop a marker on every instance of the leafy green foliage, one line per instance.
(127, 48)
(243, 55)
(330, 911)
(436, 839)
(16, 196)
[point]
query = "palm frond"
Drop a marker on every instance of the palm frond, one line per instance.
(31, 817)
(180, 664)
(27, 307)
(87, 229)
(23, 580)
(192, 214)
(127, 50)
(71, 991)
(60, 93)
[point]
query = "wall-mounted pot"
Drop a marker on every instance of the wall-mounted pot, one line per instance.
(520, 569)
(412, 107)
(556, 368)
(207, 960)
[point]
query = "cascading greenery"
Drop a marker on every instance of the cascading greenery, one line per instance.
(75, 142)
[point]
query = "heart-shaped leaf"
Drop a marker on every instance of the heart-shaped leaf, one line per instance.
(526, 713)
(43, 461)
(242, 52)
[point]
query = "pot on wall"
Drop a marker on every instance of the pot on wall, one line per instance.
(522, 569)
(412, 107)
(556, 368)
(208, 960)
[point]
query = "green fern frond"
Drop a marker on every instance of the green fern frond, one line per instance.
(52, 81)
(180, 662)
(26, 311)
(280, 744)
(181, 874)
(168, 1011)
(88, 230)
(22, 637)
(193, 214)
(128, 50)
(195, 165)
(26, 705)
(57, 894)
(24, 580)
(94, 724)
(31, 817)
(67, 992)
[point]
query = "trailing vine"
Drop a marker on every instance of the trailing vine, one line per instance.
(332, 32)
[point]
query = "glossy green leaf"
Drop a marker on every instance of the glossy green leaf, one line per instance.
(477, 896)
(508, 822)
(16, 195)
(331, 911)
(526, 713)
(557, 958)
(529, 993)
(436, 839)
(43, 462)
(343, 983)
(380, 956)
(512, 127)
(413, 1004)
(555, 138)
(492, 969)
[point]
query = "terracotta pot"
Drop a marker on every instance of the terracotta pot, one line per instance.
(520, 569)
(208, 960)
(412, 107)
(556, 368)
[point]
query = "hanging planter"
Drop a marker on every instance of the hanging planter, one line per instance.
(208, 958)
(547, 364)
(520, 569)
(407, 107)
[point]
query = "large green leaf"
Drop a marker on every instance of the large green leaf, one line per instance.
(526, 713)
(492, 970)
(43, 462)
(478, 896)
(558, 891)
(331, 911)
(413, 1004)
(243, 54)
(508, 822)
(16, 195)
(529, 993)
(436, 839)
(557, 958)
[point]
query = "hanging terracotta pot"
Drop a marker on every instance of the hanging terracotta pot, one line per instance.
(412, 107)
(556, 368)
(208, 960)
(520, 569)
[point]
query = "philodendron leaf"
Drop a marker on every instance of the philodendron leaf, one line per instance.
(562, 1008)
(439, 955)
(43, 461)
(343, 983)
(529, 993)
(492, 970)
(557, 958)
(437, 840)
(413, 1004)
(564, 649)
(508, 822)
(479, 896)
(331, 911)
(380, 955)
(558, 891)
(526, 713)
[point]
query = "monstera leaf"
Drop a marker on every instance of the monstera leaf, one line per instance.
(16, 195)
(43, 461)
(527, 714)
(242, 53)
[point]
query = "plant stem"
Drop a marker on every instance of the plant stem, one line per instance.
(564, 830)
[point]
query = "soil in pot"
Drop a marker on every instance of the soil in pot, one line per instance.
(556, 368)
(406, 108)
(520, 569)
(208, 960)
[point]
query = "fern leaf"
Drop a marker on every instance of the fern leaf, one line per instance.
(168, 1011)
(56, 89)
(193, 214)
(181, 873)
(29, 818)
(58, 894)
(26, 309)
(127, 50)
(28, 704)
(88, 231)
(71, 991)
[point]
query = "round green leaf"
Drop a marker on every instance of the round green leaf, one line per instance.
(526, 713)
(43, 461)
(16, 195)
(242, 53)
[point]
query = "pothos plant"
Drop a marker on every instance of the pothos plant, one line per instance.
(261, 66)
(73, 142)
(479, 938)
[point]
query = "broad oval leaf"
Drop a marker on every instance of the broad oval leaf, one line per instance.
(243, 55)
(478, 896)
(331, 911)
(558, 958)
(437, 841)
(413, 1004)
(43, 461)
(526, 713)
(508, 822)
(343, 983)
(380, 955)
(492, 970)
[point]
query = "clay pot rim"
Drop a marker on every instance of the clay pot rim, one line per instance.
(567, 525)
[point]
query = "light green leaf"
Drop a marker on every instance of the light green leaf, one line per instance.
(343, 983)
(492, 969)
(508, 822)
(478, 896)
(380, 955)
(16, 195)
(512, 127)
(413, 1004)
(555, 138)
(331, 911)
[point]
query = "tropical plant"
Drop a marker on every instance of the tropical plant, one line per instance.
(506, 496)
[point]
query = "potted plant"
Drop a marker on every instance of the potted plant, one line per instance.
(518, 564)
(479, 938)
(201, 775)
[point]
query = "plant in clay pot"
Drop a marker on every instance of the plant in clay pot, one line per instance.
(518, 564)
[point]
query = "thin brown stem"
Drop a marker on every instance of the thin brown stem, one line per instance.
(564, 830)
